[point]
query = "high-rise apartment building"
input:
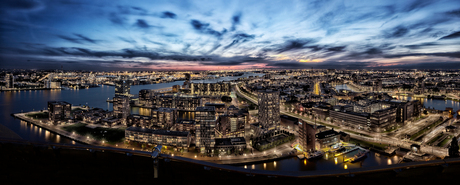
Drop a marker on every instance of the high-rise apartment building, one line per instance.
(122, 87)
(269, 110)
(121, 107)
(205, 119)
(9, 78)
(59, 111)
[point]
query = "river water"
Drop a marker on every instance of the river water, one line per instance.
(14, 102)
(25, 101)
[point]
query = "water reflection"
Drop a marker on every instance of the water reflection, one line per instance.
(47, 135)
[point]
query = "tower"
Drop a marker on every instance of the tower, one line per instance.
(205, 118)
(269, 110)
(122, 87)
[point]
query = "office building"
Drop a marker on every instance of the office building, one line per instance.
(327, 138)
(307, 138)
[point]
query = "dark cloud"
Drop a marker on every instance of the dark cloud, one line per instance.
(416, 5)
(295, 44)
(131, 41)
(444, 54)
(319, 65)
(454, 13)
(373, 51)
(80, 39)
(86, 38)
(451, 36)
(205, 29)
(240, 38)
(336, 49)
(214, 48)
(21, 4)
(422, 45)
(235, 21)
(231, 44)
(168, 14)
(396, 32)
(116, 19)
(142, 23)
(153, 42)
(70, 39)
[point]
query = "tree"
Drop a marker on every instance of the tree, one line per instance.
(453, 148)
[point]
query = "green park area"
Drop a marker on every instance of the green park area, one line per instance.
(421, 132)
(435, 139)
(271, 140)
(39, 115)
(445, 141)
(111, 135)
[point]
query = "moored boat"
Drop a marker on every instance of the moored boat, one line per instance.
(359, 156)
(314, 155)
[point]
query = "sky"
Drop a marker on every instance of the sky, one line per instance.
(221, 35)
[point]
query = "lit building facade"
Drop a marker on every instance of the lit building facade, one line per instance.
(307, 138)
(269, 110)
(213, 89)
(158, 137)
(9, 78)
(59, 111)
(205, 119)
(122, 87)
(121, 107)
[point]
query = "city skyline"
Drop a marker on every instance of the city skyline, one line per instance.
(199, 35)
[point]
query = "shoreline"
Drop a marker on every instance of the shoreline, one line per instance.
(82, 140)
(234, 162)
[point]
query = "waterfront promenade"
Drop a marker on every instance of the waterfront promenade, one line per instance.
(279, 152)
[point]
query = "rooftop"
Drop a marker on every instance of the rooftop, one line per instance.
(326, 134)
(206, 109)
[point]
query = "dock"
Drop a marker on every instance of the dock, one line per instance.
(391, 150)
(347, 151)
(301, 156)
